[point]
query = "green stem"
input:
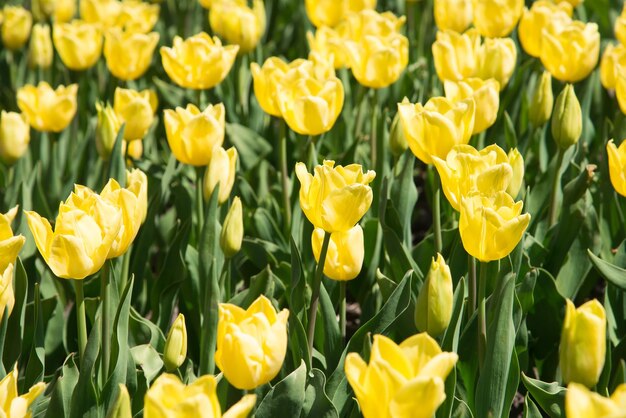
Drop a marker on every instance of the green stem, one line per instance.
(284, 174)
(437, 215)
(81, 319)
(342, 309)
(358, 120)
(472, 285)
(104, 316)
(374, 109)
(125, 270)
(315, 296)
(555, 188)
(199, 201)
(225, 279)
(482, 321)
(312, 151)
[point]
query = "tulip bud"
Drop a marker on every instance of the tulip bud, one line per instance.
(42, 9)
(135, 149)
(542, 101)
(121, 407)
(40, 52)
(107, 130)
(517, 164)
(15, 27)
(175, 350)
(567, 119)
(221, 169)
(433, 308)
(397, 141)
(232, 231)
(14, 136)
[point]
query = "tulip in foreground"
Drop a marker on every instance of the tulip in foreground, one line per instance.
(14, 405)
(238, 24)
(486, 95)
(400, 381)
(78, 43)
(136, 109)
(454, 15)
(14, 136)
(48, 110)
(346, 251)
(433, 308)
(580, 402)
(542, 15)
(129, 54)
(222, 170)
(617, 166)
(15, 27)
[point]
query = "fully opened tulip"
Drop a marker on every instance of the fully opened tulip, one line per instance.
(78, 43)
(221, 170)
(175, 351)
(542, 15)
(15, 27)
(48, 110)
(199, 62)
(455, 54)
(331, 12)
(14, 136)
(400, 381)
(346, 251)
(433, 308)
(10, 245)
(169, 397)
(103, 12)
(231, 236)
(251, 343)
(617, 166)
(7, 297)
(486, 95)
(335, 198)
(64, 10)
(497, 18)
(14, 405)
(138, 16)
(583, 343)
(129, 54)
(41, 51)
(238, 24)
(613, 63)
(193, 134)
(580, 402)
(454, 15)
(492, 225)
(542, 101)
(452, 123)
(496, 59)
(84, 231)
(136, 109)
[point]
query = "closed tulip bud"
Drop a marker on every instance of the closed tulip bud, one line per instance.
(454, 15)
(14, 136)
(452, 123)
(613, 60)
(78, 43)
(542, 101)
(138, 16)
(7, 297)
(496, 58)
(620, 27)
(570, 52)
(517, 164)
(454, 54)
(567, 119)
(332, 12)
(346, 251)
(136, 109)
(252, 343)
(491, 226)
(48, 110)
(433, 308)
(239, 24)
(193, 134)
(15, 27)
(397, 141)
(175, 351)
(171, 398)
(486, 95)
(84, 231)
(121, 407)
(103, 12)
(221, 170)
(402, 380)
(232, 231)
(43, 9)
(335, 198)
(580, 402)
(542, 15)
(497, 18)
(64, 11)
(107, 130)
(10, 245)
(617, 166)
(129, 54)
(13, 405)
(40, 52)
(135, 149)
(583, 343)
(199, 62)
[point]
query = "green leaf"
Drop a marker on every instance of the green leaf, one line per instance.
(146, 357)
(85, 397)
(610, 272)
(549, 396)
(330, 328)
(530, 409)
(251, 147)
(15, 330)
(37, 359)
(286, 398)
(317, 404)
(61, 398)
(117, 165)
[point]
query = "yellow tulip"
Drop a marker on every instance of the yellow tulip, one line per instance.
(10, 245)
(273, 73)
(496, 58)
(134, 150)
(16, 26)
(542, 101)
(335, 198)
(64, 11)
(42, 9)
(466, 170)
(103, 12)
(583, 343)
(452, 123)
(397, 141)
(543, 14)
(620, 27)
(433, 309)
(106, 131)
(486, 95)
(497, 18)
(455, 54)
(48, 110)
(232, 230)
(199, 62)
(328, 44)
(14, 405)
(192, 134)
(138, 16)
(238, 24)
(136, 109)
(346, 251)
(377, 62)
(251, 343)
(221, 170)
(41, 51)
(580, 402)
(121, 408)
(617, 166)
(492, 225)
(331, 12)
(175, 350)
(7, 297)
(133, 202)
(369, 22)
(454, 15)
(567, 119)
(14, 136)
(78, 43)
(84, 231)
(129, 54)
(517, 164)
(169, 397)
(613, 62)
(571, 52)
(400, 381)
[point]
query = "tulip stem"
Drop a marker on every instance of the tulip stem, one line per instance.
(472, 285)
(81, 320)
(104, 316)
(199, 201)
(555, 188)
(342, 309)
(315, 296)
(285, 176)
(373, 150)
(482, 321)
(437, 215)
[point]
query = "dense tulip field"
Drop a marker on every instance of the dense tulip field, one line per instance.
(313, 208)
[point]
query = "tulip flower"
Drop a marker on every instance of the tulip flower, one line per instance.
(369, 22)
(543, 14)
(64, 10)
(171, 398)
(331, 12)
(106, 131)
(346, 251)
(221, 170)
(193, 134)
(16, 27)
(433, 308)
(103, 12)
(10, 245)
(13, 405)
(571, 52)
(492, 225)
(138, 16)
(617, 166)
(129, 54)
(134, 150)
(486, 95)
(136, 109)
(14, 136)
(452, 123)
(232, 230)
(453, 15)
(41, 51)
(455, 54)
(567, 119)
(238, 24)
(400, 381)
(397, 141)
(121, 408)
(327, 43)
(7, 297)
(48, 110)
(175, 351)
(580, 402)
(542, 101)
(84, 231)
(335, 198)
(199, 62)
(620, 27)
(251, 343)
(497, 18)
(78, 43)
(517, 164)
(42, 9)
(613, 63)
(583, 343)
(496, 58)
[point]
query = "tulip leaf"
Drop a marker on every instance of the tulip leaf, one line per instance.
(117, 165)
(148, 359)
(37, 359)
(549, 396)
(3, 333)
(15, 329)
(286, 398)
(450, 341)
(530, 409)
(317, 404)
(610, 272)
(298, 284)
(252, 147)
(63, 387)
(298, 343)
(404, 194)
(330, 330)
(142, 330)
(84, 401)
